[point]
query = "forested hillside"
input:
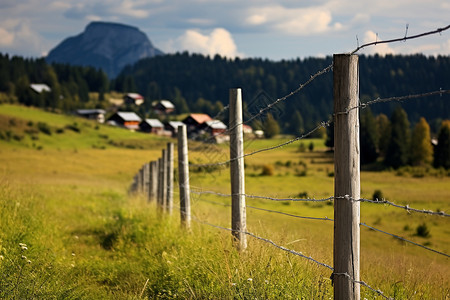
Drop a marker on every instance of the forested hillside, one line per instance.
(70, 85)
(198, 83)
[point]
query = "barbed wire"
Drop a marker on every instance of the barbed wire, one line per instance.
(405, 207)
(323, 124)
(439, 30)
(264, 240)
(403, 239)
(316, 218)
(328, 219)
(396, 98)
(274, 103)
(379, 292)
(270, 210)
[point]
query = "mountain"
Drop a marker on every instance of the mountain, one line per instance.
(104, 45)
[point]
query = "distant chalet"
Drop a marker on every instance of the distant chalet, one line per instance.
(151, 126)
(40, 87)
(163, 107)
(172, 126)
(129, 120)
(193, 122)
(133, 99)
(92, 114)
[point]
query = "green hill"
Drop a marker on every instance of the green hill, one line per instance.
(69, 230)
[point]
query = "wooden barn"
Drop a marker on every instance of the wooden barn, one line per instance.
(151, 126)
(129, 120)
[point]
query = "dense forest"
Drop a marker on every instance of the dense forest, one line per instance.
(198, 83)
(70, 85)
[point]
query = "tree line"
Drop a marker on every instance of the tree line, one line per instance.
(70, 85)
(395, 143)
(197, 83)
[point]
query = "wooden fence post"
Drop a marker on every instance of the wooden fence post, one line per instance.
(160, 182)
(153, 188)
(237, 173)
(140, 180)
(164, 179)
(183, 177)
(347, 177)
(169, 202)
(146, 178)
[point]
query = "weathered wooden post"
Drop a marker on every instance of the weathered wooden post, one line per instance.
(347, 177)
(237, 173)
(164, 179)
(146, 178)
(153, 188)
(141, 180)
(183, 177)
(169, 203)
(160, 183)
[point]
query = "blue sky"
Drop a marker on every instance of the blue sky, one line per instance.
(266, 29)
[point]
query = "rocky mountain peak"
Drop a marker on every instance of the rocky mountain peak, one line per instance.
(104, 45)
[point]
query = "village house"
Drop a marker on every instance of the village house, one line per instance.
(151, 126)
(247, 129)
(194, 121)
(129, 120)
(172, 126)
(217, 130)
(163, 107)
(214, 127)
(92, 114)
(40, 87)
(133, 99)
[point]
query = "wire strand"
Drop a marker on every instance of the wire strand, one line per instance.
(439, 30)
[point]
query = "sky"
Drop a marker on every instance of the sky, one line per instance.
(265, 29)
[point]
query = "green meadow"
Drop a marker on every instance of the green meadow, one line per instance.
(70, 230)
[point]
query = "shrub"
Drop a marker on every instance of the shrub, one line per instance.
(311, 147)
(301, 147)
(423, 231)
(377, 195)
(74, 127)
(44, 128)
(268, 170)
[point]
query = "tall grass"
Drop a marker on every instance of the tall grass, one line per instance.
(68, 230)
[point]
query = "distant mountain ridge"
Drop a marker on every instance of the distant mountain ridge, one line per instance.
(104, 45)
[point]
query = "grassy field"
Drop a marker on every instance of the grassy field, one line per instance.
(70, 231)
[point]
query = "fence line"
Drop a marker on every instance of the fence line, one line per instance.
(379, 292)
(328, 219)
(269, 210)
(346, 271)
(382, 201)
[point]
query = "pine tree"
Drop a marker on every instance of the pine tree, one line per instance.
(383, 133)
(397, 151)
(296, 126)
(442, 150)
(368, 138)
(421, 148)
(271, 127)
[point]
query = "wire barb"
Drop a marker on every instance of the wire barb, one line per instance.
(439, 30)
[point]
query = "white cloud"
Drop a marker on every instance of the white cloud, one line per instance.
(381, 49)
(18, 34)
(293, 21)
(129, 8)
(219, 41)
(7, 38)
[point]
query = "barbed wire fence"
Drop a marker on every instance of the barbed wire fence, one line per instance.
(346, 279)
